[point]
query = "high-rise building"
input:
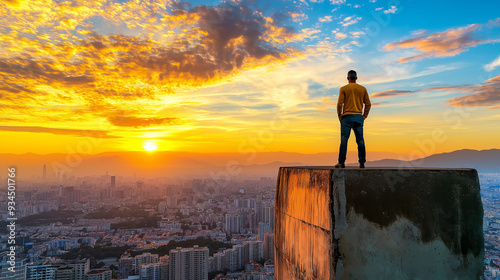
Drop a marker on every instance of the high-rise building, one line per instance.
(240, 250)
(269, 216)
(113, 182)
(41, 271)
(64, 273)
(154, 271)
(269, 246)
(69, 195)
(18, 273)
(252, 225)
(80, 268)
(145, 258)
(233, 223)
(254, 251)
(98, 274)
(172, 201)
(259, 211)
(263, 228)
(125, 266)
(188, 263)
(244, 219)
(219, 261)
(44, 172)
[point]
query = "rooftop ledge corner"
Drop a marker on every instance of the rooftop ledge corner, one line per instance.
(378, 223)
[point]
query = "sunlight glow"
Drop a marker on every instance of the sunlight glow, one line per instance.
(150, 146)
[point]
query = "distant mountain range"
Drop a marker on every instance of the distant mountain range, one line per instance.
(200, 165)
(485, 161)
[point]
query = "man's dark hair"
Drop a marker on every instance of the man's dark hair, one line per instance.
(352, 75)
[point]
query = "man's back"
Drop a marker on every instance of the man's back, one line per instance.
(351, 99)
(351, 116)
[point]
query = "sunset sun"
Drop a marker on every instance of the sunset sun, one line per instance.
(150, 146)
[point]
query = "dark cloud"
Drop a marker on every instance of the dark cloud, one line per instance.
(60, 131)
(96, 44)
(82, 70)
(229, 36)
(81, 79)
(216, 42)
(13, 88)
(32, 69)
(227, 22)
(179, 6)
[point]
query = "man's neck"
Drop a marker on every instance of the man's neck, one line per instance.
(352, 82)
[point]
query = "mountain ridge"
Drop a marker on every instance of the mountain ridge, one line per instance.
(164, 164)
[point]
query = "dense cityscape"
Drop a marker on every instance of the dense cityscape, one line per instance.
(490, 194)
(107, 227)
(113, 227)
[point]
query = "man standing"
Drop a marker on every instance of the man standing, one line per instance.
(350, 110)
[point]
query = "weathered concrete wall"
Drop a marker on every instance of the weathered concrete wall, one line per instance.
(378, 224)
(303, 222)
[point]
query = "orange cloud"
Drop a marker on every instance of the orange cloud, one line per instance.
(486, 94)
(75, 132)
(55, 61)
(140, 122)
(392, 92)
(13, 3)
(441, 44)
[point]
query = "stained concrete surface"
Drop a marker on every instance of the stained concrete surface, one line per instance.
(378, 223)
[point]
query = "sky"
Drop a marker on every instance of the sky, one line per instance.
(93, 76)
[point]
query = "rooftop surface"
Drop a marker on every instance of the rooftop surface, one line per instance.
(375, 168)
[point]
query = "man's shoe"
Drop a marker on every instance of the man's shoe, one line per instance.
(361, 165)
(339, 165)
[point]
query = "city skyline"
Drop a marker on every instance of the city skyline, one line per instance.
(209, 76)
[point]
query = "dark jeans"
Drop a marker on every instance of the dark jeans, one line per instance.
(354, 122)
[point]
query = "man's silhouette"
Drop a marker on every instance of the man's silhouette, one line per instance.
(350, 110)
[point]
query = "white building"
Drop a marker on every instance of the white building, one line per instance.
(145, 258)
(41, 271)
(263, 229)
(98, 274)
(188, 263)
(17, 274)
(233, 223)
(254, 250)
(154, 271)
(269, 216)
(80, 268)
(126, 266)
(269, 246)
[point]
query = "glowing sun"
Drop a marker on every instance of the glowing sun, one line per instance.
(150, 146)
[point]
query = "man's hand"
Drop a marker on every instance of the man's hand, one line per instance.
(364, 117)
(340, 118)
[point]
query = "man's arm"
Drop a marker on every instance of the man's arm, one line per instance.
(368, 104)
(340, 103)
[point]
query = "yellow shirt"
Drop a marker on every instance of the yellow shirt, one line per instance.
(351, 99)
